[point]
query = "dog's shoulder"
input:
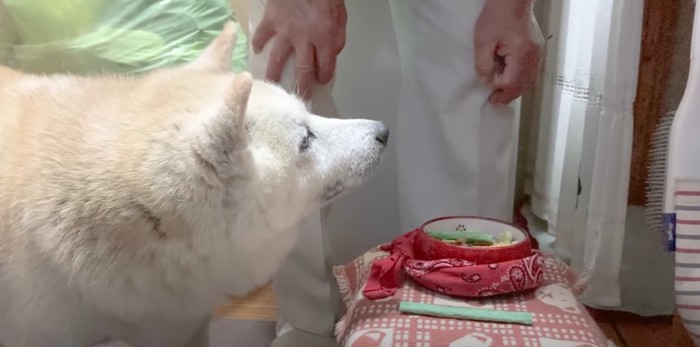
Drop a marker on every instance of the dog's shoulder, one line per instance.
(8, 75)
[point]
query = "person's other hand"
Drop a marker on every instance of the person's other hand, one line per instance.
(313, 29)
(507, 47)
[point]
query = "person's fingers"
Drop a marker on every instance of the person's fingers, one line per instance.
(505, 96)
(519, 73)
(326, 53)
(511, 73)
(506, 85)
(305, 70)
(504, 90)
(262, 34)
(326, 59)
(484, 60)
(340, 39)
(278, 59)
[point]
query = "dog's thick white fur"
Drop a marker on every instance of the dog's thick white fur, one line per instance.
(131, 206)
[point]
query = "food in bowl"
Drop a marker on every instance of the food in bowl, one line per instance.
(496, 245)
(472, 238)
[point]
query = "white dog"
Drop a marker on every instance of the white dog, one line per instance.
(131, 206)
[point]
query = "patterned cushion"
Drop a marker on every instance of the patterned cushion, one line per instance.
(559, 319)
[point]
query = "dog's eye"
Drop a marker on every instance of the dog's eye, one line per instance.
(306, 141)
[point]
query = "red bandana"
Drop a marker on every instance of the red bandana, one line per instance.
(453, 270)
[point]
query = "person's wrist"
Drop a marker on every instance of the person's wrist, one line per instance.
(514, 8)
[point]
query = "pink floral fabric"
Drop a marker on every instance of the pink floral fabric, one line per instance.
(559, 319)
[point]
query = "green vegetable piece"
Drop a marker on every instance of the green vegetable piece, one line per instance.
(505, 237)
(470, 237)
(477, 314)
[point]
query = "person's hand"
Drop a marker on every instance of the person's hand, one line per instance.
(507, 47)
(313, 29)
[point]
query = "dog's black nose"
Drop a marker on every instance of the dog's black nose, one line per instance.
(383, 135)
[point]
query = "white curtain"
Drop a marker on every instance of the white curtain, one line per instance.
(579, 162)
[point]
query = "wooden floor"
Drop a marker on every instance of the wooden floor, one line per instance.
(260, 305)
(626, 330)
(629, 330)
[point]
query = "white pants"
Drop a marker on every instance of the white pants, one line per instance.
(451, 151)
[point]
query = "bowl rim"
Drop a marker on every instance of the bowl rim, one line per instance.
(526, 235)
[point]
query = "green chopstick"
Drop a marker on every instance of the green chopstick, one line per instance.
(478, 314)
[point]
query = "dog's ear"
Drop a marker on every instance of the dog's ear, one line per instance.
(217, 56)
(237, 100)
(225, 130)
(221, 136)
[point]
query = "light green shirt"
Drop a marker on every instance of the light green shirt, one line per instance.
(115, 36)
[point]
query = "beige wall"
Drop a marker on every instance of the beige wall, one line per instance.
(240, 8)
